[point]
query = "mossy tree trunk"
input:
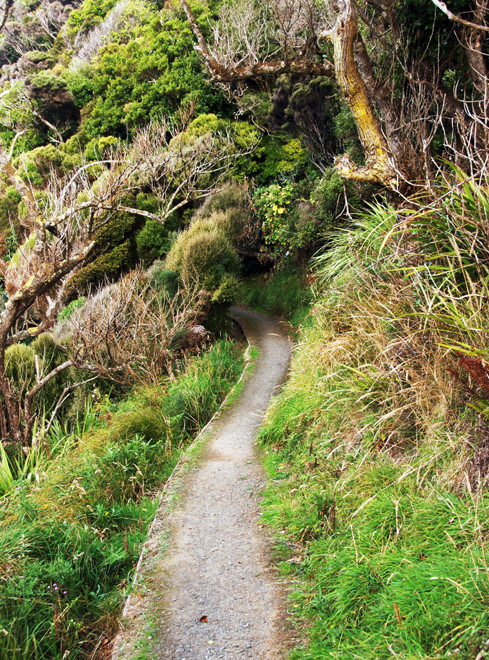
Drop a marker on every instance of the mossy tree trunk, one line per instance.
(379, 161)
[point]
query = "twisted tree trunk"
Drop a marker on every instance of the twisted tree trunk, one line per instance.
(379, 163)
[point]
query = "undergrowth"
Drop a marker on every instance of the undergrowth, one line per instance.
(70, 540)
(376, 446)
(282, 293)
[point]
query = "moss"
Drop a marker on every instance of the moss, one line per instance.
(105, 266)
(20, 366)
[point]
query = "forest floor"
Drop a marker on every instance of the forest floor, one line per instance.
(207, 587)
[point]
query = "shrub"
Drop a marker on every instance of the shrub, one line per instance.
(165, 279)
(37, 164)
(228, 209)
(98, 147)
(227, 291)
(231, 196)
(20, 366)
(282, 157)
(90, 14)
(152, 242)
(8, 208)
(204, 253)
(67, 311)
(207, 257)
(272, 204)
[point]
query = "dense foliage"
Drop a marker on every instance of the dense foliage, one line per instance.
(378, 447)
(378, 444)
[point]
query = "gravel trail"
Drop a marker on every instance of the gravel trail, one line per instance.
(220, 596)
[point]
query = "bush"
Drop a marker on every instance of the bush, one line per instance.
(8, 208)
(208, 257)
(230, 196)
(282, 158)
(272, 204)
(203, 253)
(67, 311)
(227, 291)
(165, 279)
(152, 242)
(90, 14)
(97, 148)
(20, 366)
(37, 164)
(228, 209)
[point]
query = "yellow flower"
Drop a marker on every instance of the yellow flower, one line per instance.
(280, 210)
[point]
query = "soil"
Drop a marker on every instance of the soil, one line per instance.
(214, 591)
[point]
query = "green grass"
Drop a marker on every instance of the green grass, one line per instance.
(68, 545)
(283, 294)
(377, 489)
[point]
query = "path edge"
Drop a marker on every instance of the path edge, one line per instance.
(131, 619)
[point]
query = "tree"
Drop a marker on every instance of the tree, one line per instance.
(61, 225)
(395, 85)
(5, 8)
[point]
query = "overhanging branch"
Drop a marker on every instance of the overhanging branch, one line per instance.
(453, 17)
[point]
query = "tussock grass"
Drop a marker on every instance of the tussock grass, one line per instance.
(68, 545)
(374, 447)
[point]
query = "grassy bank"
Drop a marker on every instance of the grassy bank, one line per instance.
(282, 293)
(69, 540)
(377, 447)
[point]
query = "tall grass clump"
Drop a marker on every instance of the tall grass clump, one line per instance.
(379, 444)
(70, 539)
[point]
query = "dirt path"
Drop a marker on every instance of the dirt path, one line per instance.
(219, 597)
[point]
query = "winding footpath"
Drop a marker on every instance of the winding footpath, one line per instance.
(206, 586)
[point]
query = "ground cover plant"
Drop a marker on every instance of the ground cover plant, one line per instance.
(378, 445)
(281, 293)
(70, 534)
(113, 128)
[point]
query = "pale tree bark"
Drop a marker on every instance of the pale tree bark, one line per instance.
(379, 163)
(4, 12)
(62, 226)
(380, 166)
(453, 17)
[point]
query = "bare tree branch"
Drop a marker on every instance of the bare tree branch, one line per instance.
(62, 226)
(5, 10)
(49, 125)
(442, 6)
(251, 64)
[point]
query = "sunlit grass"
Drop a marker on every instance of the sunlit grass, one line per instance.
(376, 456)
(69, 543)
